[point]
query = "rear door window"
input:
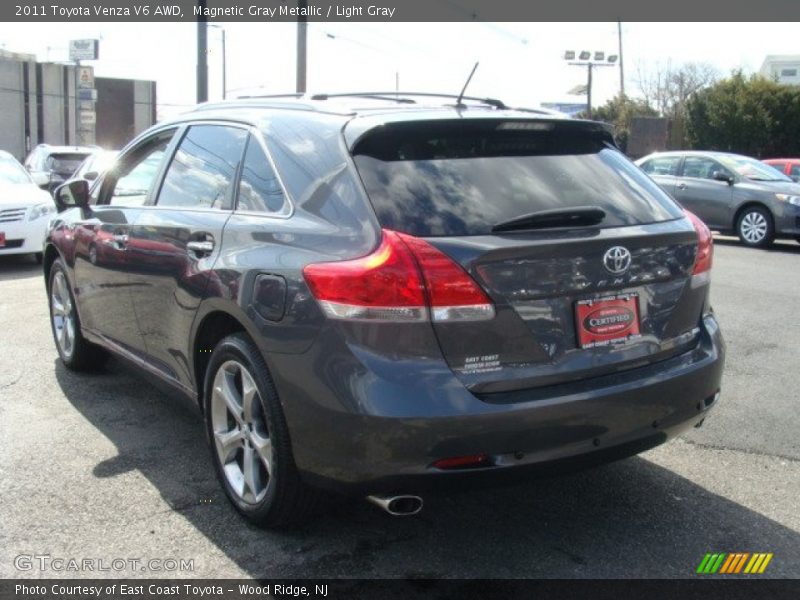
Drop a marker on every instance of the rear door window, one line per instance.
(663, 165)
(462, 178)
(259, 188)
(203, 167)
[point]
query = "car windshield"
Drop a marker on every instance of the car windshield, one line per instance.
(12, 172)
(752, 169)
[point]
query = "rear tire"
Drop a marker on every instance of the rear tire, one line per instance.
(755, 227)
(249, 438)
(77, 353)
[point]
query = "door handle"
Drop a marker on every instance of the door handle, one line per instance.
(201, 247)
(682, 186)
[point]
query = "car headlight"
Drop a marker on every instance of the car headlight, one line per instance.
(41, 210)
(788, 198)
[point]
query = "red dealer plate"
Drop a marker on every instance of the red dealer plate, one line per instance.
(607, 320)
(2, 239)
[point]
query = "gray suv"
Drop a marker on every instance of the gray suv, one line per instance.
(388, 294)
(730, 193)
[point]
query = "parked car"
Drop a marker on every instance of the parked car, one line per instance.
(50, 166)
(24, 210)
(95, 164)
(730, 193)
(377, 296)
(788, 166)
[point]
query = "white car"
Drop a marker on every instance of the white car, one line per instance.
(25, 210)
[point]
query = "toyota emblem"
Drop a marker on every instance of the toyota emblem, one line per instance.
(617, 260)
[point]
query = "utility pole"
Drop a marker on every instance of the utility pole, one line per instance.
(202, 54)
(302, 27)
(621, 69)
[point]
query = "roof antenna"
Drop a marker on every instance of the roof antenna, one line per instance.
(464, 89)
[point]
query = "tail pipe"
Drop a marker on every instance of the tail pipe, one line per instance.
(398, 506)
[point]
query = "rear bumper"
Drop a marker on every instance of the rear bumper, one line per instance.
(374, 447)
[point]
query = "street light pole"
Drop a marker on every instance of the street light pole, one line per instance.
(621, 69)
(589, 90)
(585, 60)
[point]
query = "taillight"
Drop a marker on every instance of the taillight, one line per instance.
(404, 279)
(705, 244)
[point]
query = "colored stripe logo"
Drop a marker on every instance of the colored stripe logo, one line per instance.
(734, 563)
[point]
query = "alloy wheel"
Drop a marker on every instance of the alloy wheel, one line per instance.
(63, 314)
(240, 432)
(753, 227)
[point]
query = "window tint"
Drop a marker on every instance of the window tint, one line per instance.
(259, 188)
(663, 165)
(701, 167)
(433, 179)
(203, 167)
(130, 182)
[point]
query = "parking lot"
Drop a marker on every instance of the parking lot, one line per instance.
(106, 466)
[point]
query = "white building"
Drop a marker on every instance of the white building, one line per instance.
(784, 68)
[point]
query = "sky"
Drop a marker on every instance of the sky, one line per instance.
(520, 63)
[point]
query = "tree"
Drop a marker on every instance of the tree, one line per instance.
(668, 88)
(748, 115)
(619, 112)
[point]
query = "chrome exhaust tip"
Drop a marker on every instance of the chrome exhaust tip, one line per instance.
(398, 506)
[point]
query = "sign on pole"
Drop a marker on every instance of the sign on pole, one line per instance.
(84, 49)
(86, 77)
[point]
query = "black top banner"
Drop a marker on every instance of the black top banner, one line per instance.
(396, 10)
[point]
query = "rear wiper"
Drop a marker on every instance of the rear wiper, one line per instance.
(578, 216)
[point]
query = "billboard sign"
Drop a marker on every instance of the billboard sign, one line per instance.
(84, 49)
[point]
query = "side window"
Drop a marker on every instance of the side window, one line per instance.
(795, 172)
(665, 165)
(259, 188)
(779, 166)
(701, 167)
(129, 183)
(203, 167)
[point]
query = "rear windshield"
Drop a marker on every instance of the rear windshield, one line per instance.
(448, 179)
(65, 163)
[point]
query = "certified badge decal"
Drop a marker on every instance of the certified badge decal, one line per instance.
(609, 320)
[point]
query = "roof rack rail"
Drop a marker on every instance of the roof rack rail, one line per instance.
(402, 97)
(258, 96)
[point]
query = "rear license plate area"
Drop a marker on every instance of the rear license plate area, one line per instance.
(2, 239)
(609, 320)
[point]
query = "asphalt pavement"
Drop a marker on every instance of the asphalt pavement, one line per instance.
(107, 467)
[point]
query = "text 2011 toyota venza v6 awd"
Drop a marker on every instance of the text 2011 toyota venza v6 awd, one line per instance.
(385, 295)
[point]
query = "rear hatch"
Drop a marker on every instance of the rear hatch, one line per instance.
(587, 262)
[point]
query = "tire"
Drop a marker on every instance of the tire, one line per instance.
(755, 227)
(269, 493)
(77, 353)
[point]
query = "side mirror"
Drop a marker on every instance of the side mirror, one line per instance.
(90, 175)
(722, 176)
(73, 193)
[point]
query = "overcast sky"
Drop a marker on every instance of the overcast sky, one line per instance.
(521, 63)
